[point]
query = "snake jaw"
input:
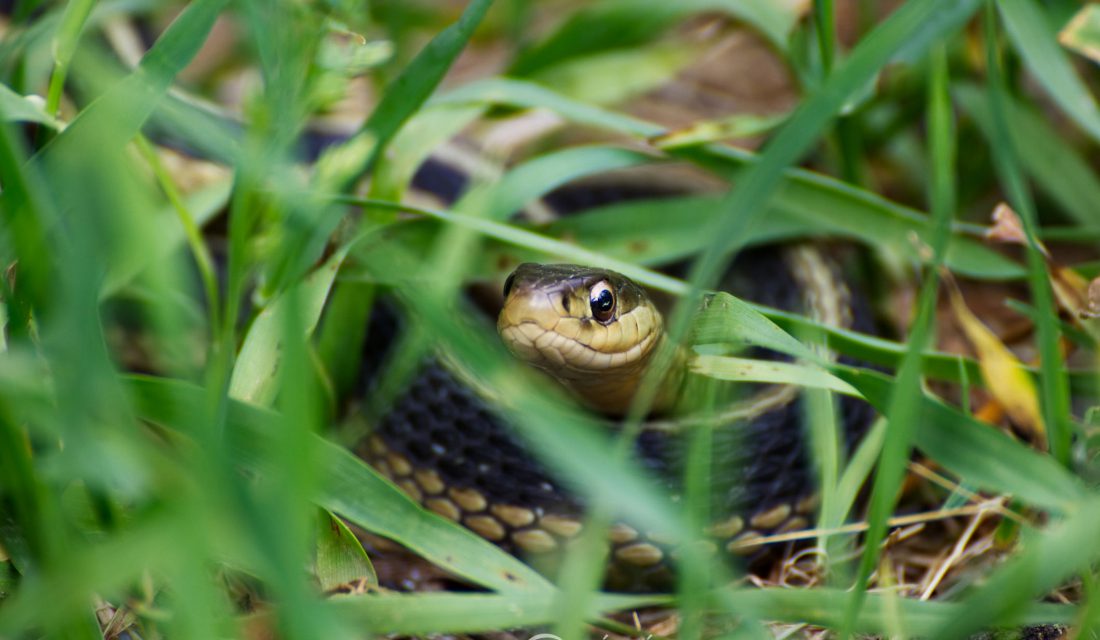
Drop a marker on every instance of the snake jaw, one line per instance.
(527, 342)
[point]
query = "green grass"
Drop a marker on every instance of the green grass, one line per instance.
(157, 494)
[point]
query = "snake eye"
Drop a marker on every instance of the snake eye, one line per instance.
(508, 284)
(602, 301)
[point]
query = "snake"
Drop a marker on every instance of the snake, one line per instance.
(594, 333)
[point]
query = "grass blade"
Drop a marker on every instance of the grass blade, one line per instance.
(804, 198)
(904, 405)
(469, 613)
(1052, 378)
(1051, 160)
(416, 83)
(951, 437)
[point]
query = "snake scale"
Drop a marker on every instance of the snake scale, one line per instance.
(446, 447)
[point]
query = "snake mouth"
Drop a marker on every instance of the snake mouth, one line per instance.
(548, 349)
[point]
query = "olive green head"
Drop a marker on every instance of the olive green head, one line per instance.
(592, 329)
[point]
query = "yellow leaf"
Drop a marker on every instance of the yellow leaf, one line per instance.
(1005, 376)
(1082, 32)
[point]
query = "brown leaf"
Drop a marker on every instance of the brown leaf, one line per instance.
(1070, 289)
(1092, 306)
(1008, 228)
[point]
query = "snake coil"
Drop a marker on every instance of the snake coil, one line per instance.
(449, 449)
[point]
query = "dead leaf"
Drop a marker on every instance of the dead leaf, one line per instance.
(1070, 289)
(1092, 306)
(1008, 228)
(1004, 374)
(1082, 32)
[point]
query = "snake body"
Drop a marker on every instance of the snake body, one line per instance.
(448, 448)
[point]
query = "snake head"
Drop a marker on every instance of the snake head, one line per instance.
(592, 329)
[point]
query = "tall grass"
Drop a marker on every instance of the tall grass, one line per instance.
(159, 495)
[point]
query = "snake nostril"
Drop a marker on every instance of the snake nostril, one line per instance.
(508, 284)
(565, 303)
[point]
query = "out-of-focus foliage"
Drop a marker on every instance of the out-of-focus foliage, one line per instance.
(240, 267)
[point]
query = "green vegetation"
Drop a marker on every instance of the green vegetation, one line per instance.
(154, 502)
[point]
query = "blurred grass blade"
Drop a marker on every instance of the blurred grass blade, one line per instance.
(528, 95)
(814, 199)
(914, 26)
(1052, 378)
(198, 127)
(257, 368)
(522, 237)
(422, 135)
(804, 200)
(1035, 40)
(622, 24)
(457, 613)
(400, 101)
(854, 477)
(348, 487)
(411, 89)
(203, 205)
(1050, 158)
(655, 231)
(64, 47)
(28, 216)
(534, 178)
(902, 411)
(117, 116)
(825, 607)
(107, 566)
(618, 75)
